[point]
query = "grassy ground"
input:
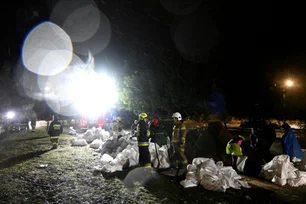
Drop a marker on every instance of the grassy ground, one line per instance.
(70, 177)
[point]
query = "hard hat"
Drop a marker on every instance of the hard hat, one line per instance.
(177, 115)
(142, 116)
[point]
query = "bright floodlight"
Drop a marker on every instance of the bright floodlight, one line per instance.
(289, 83)
(47, 88)
(92, 93)
(10, 115)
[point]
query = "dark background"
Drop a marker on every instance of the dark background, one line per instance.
(259, 45)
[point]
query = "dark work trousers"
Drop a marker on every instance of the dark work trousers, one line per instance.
(181, 159)
(144, 156)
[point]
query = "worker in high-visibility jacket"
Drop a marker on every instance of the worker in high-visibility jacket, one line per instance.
(235, 148)
(178, 140)
(143, 135)
(56, 127)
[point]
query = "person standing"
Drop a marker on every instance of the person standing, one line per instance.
(56, 127)
(178, 140)
(266, 140)
(291, 145)
(143, 135)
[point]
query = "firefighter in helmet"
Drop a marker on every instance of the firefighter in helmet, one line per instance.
(178, 140)
(143, 135)
(56, 127)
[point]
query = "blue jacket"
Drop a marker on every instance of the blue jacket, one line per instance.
(291, 145)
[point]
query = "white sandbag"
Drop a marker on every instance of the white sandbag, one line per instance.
(281, 167)
(78, 142)
(208, 167)
(111, 168)
(210, 182)
(134, 156)
(192, 176)
(124, 133)
(96, 143)
(164, 157)
(89, 132)
(161, 156)
(240, 164)
(89, 136)
(107, 168)
(279, 181)
(105, 135)
(126, 152)
(191, 168)
(106, 159)
(153, 150)
(299, 181)
(188, 183)
(199, 160)
(119, 160)
(281, 171)
(72, 131)
(212, 176)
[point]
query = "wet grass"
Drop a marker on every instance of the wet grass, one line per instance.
(71, 177)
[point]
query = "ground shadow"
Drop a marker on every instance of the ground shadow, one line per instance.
(117, 174)
(19, 159)
(33, 138)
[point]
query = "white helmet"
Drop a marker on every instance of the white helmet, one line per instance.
(177, 115)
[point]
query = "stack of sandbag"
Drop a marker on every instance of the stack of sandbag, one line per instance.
(95, 137)
(116, 154)
(281, 171)
(95, 133)
(212, 176)
(110, 164)
(115, 145)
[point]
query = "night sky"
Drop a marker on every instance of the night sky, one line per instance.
(255, 45)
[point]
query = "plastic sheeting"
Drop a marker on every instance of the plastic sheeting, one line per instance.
(212, 176)
(281, 171)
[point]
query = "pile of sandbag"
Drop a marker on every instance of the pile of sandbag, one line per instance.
(212, 176)
(111, 164)
(116, 154)
(115, 145)
(281, 171)
(96, 133)
(95, 137)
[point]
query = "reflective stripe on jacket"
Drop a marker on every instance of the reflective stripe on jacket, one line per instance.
(143, 132)
(179, 133)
